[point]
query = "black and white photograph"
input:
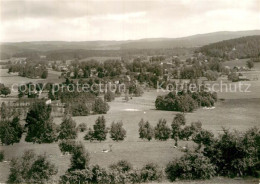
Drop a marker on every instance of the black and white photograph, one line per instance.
(130, 91)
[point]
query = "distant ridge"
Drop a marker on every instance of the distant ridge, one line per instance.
(198, 40)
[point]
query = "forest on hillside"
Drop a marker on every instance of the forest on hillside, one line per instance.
(244, 47)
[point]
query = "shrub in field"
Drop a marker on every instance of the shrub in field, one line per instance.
(211, 75)
(196, 126)
(151, 172)
(203, 137)
(250, 64)
(190, 166)
(31, 168)
(185, 133)
(122, 166)
(68, 129)
(233, 77)
(109, 96)
(162, 131)
(179, 119)
(2, 156)
(79, 109)
(100, 175)
(67, 145)
(235, 153)
(89, 135)
(146, 131)
(82, 127)
(77, 176)
(100, 107)
(117, 132)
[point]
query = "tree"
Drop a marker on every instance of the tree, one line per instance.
(39, 123)
(5, 91)
(146, 131)
(82, 127)
(2, 155)
(44, 74)
(117, 132)
(235, 153)
(180, 119)
(185, 133)
(10, 131)
(100, 130)
(80, 109)
(176, 129)
(89, 135)
(109, 96)
(204, 137)
(4, 111)
(68, 129)
(31, 168)
(250, 64)
(100, 107)
(162, 131)
(67, 145)
(80, 158)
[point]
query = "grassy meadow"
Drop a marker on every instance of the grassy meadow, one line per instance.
(237, 110)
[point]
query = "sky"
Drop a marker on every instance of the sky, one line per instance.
(84, 20)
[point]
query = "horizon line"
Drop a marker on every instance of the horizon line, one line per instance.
(130, 39)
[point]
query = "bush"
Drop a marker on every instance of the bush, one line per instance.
(162, 131)
(190, 166)
(109, 96)
(122, 166)
(31, 169)
(67, 145)
(185, 133)
(82, 127)
(151, 172)
(233, 77)
(89, 135)
(212, 75)
(250, 64)
(80, 109)
(2, 156)
(146, 131)
(203, 137)
(100, 107)
(117, 132)
(77, 176)
(100, 175)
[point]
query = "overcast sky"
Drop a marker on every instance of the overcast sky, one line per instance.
(73, 20)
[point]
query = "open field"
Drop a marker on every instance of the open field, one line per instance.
(233, 113)
(15, 80)
(238, 110)
(240, 63)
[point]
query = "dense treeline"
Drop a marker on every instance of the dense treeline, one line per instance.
(244, 47)
(30, 70)
(185, 101)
